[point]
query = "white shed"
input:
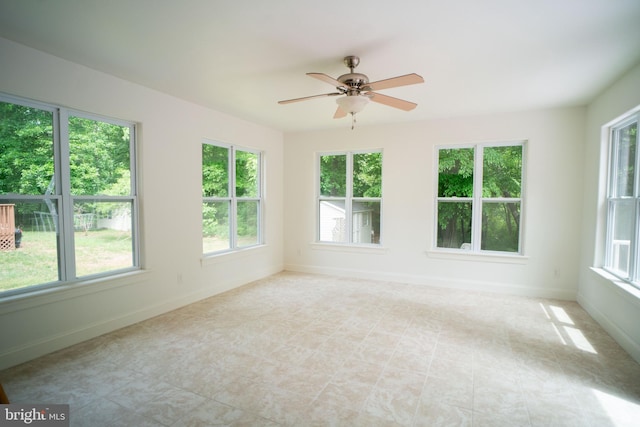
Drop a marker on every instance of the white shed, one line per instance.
(332, 222)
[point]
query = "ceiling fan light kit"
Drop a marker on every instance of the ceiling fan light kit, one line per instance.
(358, 91)
(352, 104)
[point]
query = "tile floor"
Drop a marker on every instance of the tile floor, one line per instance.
(309, 350)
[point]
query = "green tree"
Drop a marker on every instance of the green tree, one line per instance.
(26, 149)
(98, 155)
(215, 171)
(246, 174)
(367, 175)
(333, 175)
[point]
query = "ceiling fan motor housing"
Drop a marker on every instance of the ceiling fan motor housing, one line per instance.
(354, 81)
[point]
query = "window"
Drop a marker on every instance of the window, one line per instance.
(479, 201)
(231, 198)
(67, 184)
(350, 197)
(622, 256)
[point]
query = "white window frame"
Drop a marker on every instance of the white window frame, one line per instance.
(348, 198)
(232, 199)
(477, 200)
(633, 276)
(65, 199)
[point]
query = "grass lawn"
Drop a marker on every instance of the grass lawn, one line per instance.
(36, 261)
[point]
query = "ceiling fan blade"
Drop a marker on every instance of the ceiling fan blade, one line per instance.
(340, 113)
(289, 101)
(391, 101)
(326, 79)
(409, 79)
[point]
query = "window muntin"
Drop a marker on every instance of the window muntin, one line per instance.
(479, 198)
(70, 177)
(232, 198)
(623, 201)
(350, 197)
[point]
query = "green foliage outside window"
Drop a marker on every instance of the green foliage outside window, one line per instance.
(216, 210)
(26, 149)
(99, 157)
(367, 175)
(501, 179)
(215, 171)
(455, 179)
(502, 171)
(333, 175)
(455, 172)
(95, 160)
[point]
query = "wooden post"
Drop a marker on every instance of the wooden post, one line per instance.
(7, 228)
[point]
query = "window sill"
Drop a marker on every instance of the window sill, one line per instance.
(67, 291)
(478, 257)
(362, 249)
(620, 285)
(219, 257)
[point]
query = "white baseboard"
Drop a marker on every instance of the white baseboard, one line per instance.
(33, 349)
(440, 282)
(632, 347)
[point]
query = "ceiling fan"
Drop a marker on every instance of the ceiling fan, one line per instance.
(359, 91)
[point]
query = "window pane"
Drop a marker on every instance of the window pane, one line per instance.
(455, 173)
(332, 221)
(502, 171)
(246, 174)
(500, 227)
(102, 236)
(26, 150)
(33, 259)
(215, 226)
(99, 158)
(622, 223)
(454, 224)
(247, 225)
(215, 171)
(333, 176)
(367, 175)
(624, 170)
(366, 222)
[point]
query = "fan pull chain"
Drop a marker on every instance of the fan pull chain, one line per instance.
(353, 120)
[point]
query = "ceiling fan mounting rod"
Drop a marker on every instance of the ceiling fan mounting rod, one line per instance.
(351, 62)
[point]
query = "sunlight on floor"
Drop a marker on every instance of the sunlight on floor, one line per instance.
(561, 315)
(620, 411)
(579, 340)
(565, 328)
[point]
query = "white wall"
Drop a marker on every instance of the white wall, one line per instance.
(170, 137)
(552, 209)
(617, 310)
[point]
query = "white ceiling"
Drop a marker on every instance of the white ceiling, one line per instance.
(242, 56)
